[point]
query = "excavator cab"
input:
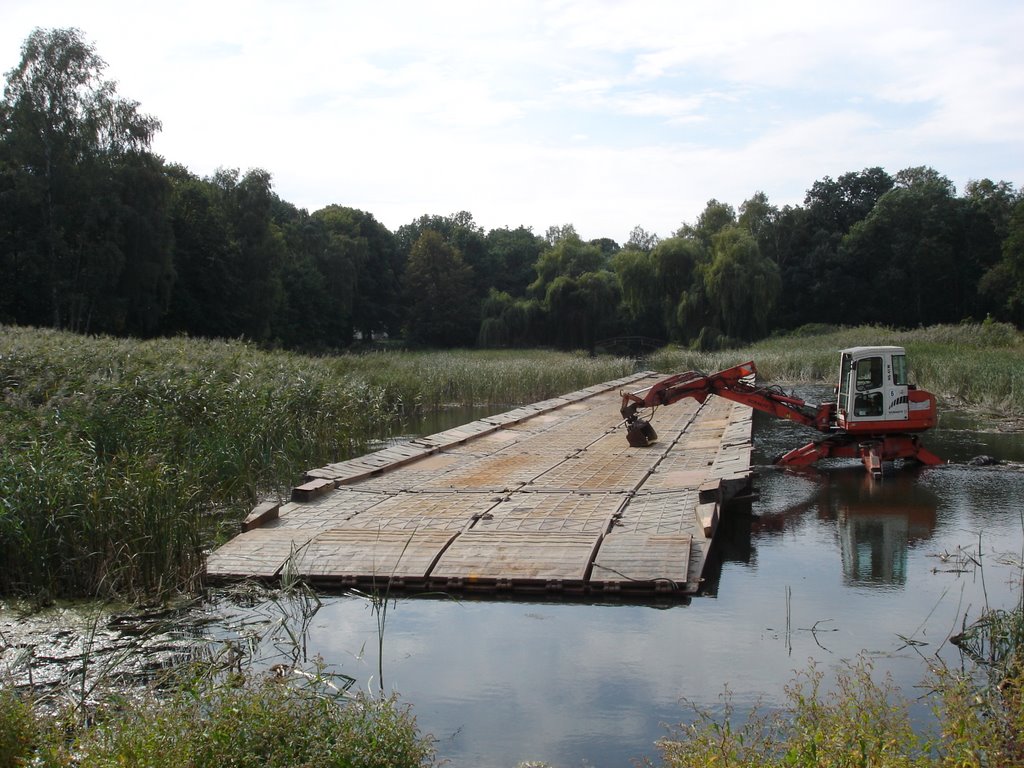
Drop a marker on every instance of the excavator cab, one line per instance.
(875, 395)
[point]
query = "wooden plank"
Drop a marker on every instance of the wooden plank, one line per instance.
(425, 511)
(509, 559)
(260, 515)
(364, 556)
(259, 553)
(312, 489)
(665, 512)
(707, 518)
(327, 511)
(640, 561)
(558, 511)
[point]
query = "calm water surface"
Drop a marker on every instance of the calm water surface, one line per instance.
(829, 564)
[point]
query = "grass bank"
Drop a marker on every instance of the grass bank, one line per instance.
(120, 458)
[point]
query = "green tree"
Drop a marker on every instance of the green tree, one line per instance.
(711, 221)
(817, 279)
(578, 291)
(677, 262)
(581, 309)
(557, 232)
(441, 309)
(641, 294)
(72, 153)
(510, 322)
(607, 246)
(204, 257)
(568, 257)
(788, 243)
(653, 283)
(376, 266)
(641, 240)
(989, 211)
(254, 291)
(139, 302)
(229, 255)
(907, 261)
(458, 230)
(318, 278)
(511, 256)
(1003, 284)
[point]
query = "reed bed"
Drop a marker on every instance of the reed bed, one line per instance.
(121, 461)
(420, 381)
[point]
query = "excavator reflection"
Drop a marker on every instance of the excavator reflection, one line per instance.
(876, 523)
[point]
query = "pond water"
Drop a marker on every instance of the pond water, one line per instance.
(823, 565)
(826, 565)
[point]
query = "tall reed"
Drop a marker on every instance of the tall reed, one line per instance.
(116, 454)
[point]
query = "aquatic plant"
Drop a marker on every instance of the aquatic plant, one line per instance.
(428, 380)
(861, 721)
(262, 721)
(118, 455)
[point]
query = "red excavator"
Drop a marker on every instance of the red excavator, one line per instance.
(877, 415)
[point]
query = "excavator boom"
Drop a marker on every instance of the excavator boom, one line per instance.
(736, 384)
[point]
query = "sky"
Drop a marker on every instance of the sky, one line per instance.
(600, 114)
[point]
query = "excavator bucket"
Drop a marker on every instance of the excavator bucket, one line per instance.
(640, 434)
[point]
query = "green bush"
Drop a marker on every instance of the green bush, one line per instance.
(260, 722)
(859, 723)
(18, 731)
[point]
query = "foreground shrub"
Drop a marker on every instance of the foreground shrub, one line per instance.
(859, 723)
(17, 730)
(261, 722)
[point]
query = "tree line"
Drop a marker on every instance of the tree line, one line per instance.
(100, 235)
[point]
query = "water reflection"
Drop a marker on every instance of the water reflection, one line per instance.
(876, 522)
(877, 528)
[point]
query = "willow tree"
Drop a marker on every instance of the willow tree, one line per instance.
(654, 282)
(741, 285)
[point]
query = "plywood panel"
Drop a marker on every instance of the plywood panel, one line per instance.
(516, 556)
(643, 561)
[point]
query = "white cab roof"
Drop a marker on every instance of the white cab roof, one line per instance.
(870, 351)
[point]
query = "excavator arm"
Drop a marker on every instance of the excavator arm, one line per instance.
(736, 384)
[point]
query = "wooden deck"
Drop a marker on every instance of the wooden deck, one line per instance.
(544, 498)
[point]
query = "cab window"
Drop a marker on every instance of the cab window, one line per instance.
(899, 370)
(869, 373)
